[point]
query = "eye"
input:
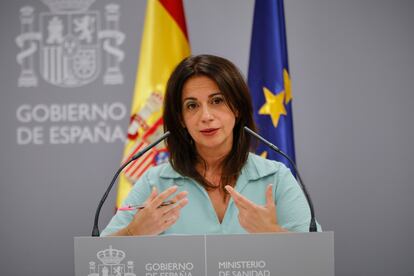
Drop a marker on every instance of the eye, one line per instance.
(217, 100)
(190, 105)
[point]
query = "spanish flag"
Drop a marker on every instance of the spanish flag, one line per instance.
(164, 44)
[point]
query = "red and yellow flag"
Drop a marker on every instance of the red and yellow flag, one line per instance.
(164, 44)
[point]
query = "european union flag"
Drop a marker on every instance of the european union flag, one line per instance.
(269, 79)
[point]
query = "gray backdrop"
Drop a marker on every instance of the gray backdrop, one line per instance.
(351, 64)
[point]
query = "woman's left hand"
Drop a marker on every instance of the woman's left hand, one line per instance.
(255, 218)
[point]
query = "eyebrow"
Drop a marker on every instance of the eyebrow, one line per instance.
(210, 96)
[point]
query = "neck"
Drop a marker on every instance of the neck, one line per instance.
(212, 159)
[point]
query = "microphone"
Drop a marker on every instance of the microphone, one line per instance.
(95, 230)
(312, 225)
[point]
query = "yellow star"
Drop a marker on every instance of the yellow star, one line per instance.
(264, 154)
(274, 106)
(288, 89)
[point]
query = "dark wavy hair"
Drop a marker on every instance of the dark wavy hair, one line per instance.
(183, 154)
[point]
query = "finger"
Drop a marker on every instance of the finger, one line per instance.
(236, 197)
(269, 196)
(156, 202)
(153, 194)
(240, 200)
(238, 206)
(176, 207)
(179, 196)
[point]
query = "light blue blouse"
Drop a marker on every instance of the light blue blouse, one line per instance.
(199, 216)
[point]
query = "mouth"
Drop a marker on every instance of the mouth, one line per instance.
(209, 131)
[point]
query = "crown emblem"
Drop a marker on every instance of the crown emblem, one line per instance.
(111, 256)
(68, 5)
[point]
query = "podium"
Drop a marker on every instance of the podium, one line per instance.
(285, 254)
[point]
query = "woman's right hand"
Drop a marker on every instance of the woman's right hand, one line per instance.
(154, 218)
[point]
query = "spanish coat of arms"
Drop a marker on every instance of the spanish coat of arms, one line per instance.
(111, 264)
(70, 41)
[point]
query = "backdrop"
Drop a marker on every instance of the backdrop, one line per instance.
(61, 139)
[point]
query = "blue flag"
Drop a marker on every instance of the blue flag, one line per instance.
(269, 79)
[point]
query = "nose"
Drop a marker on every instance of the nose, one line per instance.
(206, 114)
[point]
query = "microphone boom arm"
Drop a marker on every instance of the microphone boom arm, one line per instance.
(95, 230)
(312, 226)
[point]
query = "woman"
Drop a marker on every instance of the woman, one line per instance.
(216, 185)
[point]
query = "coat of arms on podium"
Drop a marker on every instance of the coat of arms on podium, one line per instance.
(70, 41)
(111, 264)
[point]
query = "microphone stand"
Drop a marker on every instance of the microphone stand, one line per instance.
(312, 225)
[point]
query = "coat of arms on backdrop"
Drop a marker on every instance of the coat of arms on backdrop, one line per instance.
(71, 42)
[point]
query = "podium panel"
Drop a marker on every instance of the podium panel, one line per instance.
(286, 254)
